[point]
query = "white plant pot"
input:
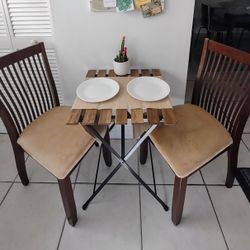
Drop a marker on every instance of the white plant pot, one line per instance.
(121, 68)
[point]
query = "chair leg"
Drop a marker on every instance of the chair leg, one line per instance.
(106, 153)
(232, 155)
(66, 191)
(144, 152)
(179, 193)
(20, 164)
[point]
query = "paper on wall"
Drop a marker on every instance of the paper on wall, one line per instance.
(151, 9)
(124, 5)
(98, 5)
(109, 3)
(138, 3)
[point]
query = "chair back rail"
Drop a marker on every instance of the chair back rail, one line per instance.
(27, 87)
(222, 86)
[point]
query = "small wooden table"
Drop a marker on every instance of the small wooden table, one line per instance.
(121, 110)
(101, 113)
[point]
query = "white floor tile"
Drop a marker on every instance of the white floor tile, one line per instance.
(216, 171)
(31, 217)
(8, 170)
(233, 211)
(198, 229)
(110, 222)
(163, 173)
(37, 173)
(3, 190)
(88, 166)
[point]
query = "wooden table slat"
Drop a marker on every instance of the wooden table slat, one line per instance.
(153, 116)
(102, 73)
(137, 116)
(74, 117)
(111, 73)
(156, 72)
(91, 73)
(145, 72)
(105, 116)
(89, 116)
(134, 73)
(168, 116)
(121, 116)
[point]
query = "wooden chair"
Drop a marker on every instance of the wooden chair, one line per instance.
(212, 124)
(36, 123)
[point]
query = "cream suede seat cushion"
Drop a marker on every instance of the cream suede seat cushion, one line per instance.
(53, 144)
(196, 139)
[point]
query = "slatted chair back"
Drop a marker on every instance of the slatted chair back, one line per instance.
(222, 86)
(27, 88)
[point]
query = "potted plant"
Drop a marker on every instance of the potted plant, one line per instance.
(121, 62)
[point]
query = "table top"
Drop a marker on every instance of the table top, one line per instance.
(122, 107)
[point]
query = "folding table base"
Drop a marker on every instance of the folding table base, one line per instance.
(122, 163)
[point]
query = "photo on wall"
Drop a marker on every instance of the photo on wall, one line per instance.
(124, 5)
(139, 3)
(147, 7)
(152, 8)
(98, 6)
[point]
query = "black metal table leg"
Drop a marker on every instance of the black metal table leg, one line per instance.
(97, 168)
(122, 141)
(152, 165)
(85, 205)
(123, 162)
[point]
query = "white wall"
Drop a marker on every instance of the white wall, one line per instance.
(86, 40)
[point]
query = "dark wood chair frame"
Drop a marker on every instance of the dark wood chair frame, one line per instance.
(27, 90)
(222, 88)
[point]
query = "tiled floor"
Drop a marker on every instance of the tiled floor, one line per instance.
(124, 215)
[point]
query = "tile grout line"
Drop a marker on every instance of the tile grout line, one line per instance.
(65, 219)
(217, 218)
(245, 145)
(60, 237)
(120, 183)
(7, 182)
(12, 183)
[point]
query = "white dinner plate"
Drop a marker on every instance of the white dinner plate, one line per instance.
(98, 89)
(148, 89)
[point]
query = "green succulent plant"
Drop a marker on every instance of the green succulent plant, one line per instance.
(122, 54)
